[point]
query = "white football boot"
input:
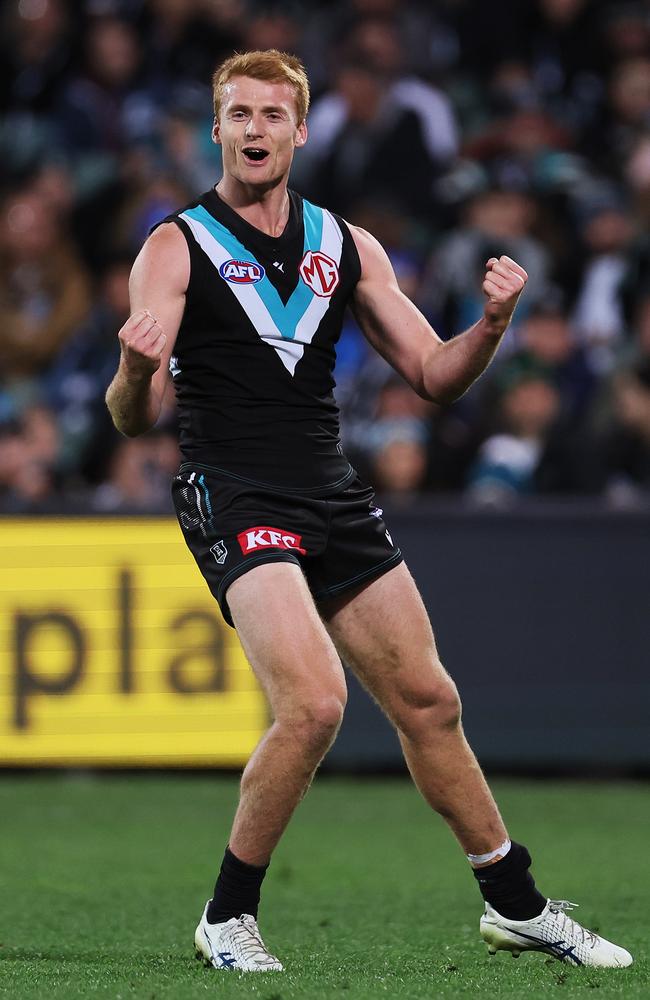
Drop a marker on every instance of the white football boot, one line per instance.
(553, 932)
(234, 945)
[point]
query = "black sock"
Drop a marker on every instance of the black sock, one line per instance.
(237, 889)
(508, 886)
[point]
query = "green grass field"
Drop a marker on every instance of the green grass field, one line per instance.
(102, 881)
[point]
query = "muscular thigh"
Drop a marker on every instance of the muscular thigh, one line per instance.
(383, 633)
(284, 638)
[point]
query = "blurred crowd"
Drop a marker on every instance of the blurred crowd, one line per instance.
(453, 130)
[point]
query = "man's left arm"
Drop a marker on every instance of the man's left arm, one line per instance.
(437, 370)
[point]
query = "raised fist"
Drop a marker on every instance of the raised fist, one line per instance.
(142, 342)
(503, 284)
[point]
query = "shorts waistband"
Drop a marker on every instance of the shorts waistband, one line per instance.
(306, 491)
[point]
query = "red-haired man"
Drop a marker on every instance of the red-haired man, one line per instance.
(241, 295)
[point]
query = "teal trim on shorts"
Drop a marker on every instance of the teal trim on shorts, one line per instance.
(377, 570)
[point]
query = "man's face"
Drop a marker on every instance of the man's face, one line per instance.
(258, 130)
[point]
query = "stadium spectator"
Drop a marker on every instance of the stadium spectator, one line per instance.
(376, 118)
(607, 233)
(547, 346)
(36, 55)
(145, 202)
(44, 290)
(395, 441)
(451, 288)
(29, 461)
(377, 39)
(519, 147)
(140, 472)
(77, 381)
(271, 28)
(566, 55)
(626, 445)
(186, 155)
(400, 463)
(185, 39)
(625, 119)
(425, 37)
(109, 105)
(509, 460)
(625, 29)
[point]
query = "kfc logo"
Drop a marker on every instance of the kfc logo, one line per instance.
(319, 272)
(259, 538)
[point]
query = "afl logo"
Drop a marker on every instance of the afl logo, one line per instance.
(319, 272)
(241, 272)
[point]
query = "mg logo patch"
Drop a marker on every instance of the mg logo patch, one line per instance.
(320, 273)
(241, 272)
(262, 537)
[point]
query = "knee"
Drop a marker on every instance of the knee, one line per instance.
(432, 707)
(315, 720)
(324, 713)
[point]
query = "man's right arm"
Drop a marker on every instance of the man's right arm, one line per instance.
(157, 287)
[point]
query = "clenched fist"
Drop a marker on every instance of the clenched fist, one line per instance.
(504, 282)
(142, 342)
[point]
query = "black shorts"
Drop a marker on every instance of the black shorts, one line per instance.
(230, 526)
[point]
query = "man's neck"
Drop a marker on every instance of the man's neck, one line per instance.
(267, 210)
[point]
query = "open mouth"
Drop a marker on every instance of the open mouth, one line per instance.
(254, 154)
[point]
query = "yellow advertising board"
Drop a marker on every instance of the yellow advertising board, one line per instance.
(113, 651)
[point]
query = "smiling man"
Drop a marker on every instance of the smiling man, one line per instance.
(241, 295)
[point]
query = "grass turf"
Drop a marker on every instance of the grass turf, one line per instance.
(102, 881)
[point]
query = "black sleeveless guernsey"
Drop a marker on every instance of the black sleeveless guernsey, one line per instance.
(254, 358)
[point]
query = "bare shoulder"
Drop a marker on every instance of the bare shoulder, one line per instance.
(374, 259)
(366, 244)
(164, 254)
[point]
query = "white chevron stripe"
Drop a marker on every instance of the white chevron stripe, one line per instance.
(332, 245)
(288, 351)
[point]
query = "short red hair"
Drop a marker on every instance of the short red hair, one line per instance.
(270, 65)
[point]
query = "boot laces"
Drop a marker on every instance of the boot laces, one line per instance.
(560, 907)
(248, 938)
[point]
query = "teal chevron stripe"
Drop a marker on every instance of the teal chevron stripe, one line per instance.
(313, 223)
(286, 317)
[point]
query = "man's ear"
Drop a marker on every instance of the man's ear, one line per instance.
(216, 137)
(301, 134)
